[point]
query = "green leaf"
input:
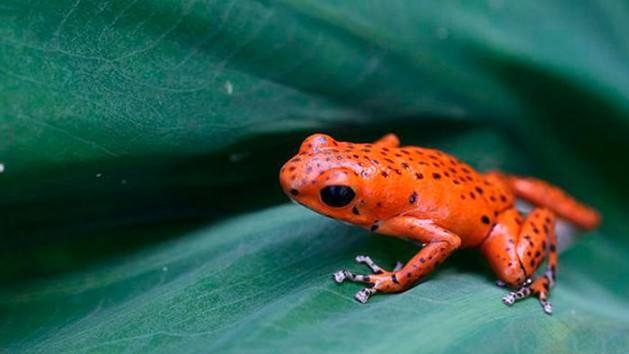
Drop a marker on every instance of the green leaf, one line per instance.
(262, 282)
(133, 134)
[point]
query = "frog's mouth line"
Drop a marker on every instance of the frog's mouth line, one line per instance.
(298, 203)
(318, 212)
(302, 204)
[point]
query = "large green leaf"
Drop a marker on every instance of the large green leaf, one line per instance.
(124, 124)
(262, 283)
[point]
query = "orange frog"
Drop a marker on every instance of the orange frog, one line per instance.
(433, 199)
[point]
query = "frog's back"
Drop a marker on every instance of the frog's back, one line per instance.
(447, 190)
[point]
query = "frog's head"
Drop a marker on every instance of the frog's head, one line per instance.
(328, 177)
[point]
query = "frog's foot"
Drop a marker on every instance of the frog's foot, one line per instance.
(512, 297)
(539, 287)
(523, 292)
(376, 280)
(363, 295)
(345, 274)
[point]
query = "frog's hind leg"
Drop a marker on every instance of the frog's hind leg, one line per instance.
(515, 248)
(544, 194)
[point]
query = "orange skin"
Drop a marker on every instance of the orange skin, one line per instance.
(434, 199)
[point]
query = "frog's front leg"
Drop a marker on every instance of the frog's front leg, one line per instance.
(439, 244)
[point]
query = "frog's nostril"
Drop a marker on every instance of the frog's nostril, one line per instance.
(294, 192)
(285, 177)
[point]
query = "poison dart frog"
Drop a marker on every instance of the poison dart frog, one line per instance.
(434, 199)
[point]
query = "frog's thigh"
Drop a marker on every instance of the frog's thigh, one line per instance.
(516, 248)
(536, 238)
(501, 248)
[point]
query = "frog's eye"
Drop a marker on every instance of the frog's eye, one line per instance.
(337, 196)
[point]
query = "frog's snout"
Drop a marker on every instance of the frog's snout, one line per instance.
(288, 179)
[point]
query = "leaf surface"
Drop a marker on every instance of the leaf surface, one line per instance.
(140, 143)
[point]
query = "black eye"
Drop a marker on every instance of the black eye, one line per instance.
(337, 196)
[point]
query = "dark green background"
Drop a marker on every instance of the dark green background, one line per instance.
(139, 206)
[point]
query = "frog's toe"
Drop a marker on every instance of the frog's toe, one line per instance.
(366, 260)
(345, 274)
(376, 269)
(541, 288)
(508, 299)
(514, 296)
(363, 295)
(546, 306)
(339, 276)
